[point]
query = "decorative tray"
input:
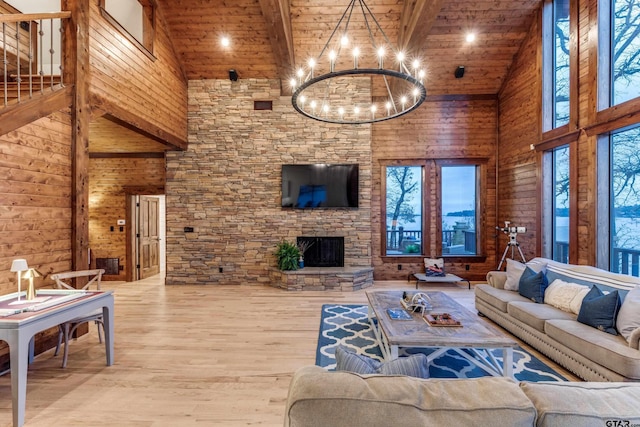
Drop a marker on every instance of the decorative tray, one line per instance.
(441, 319)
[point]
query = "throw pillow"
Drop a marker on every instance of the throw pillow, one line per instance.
(413, 366)
(560, 294)
(576, 302)
(629, 314)
(532, 285)
(600, 310)
(514, 272)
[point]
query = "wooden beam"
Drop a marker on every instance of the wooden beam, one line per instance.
(278, 18)
(76, 61)
(119, 115)
(18, 115)
(416, 21)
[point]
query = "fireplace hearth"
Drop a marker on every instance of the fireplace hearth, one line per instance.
(324, 251)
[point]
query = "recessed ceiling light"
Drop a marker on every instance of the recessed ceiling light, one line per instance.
(471, 37)
(224, 41)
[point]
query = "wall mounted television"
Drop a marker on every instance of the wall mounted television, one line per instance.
(317, 186)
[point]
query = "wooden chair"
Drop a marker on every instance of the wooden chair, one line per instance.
(66, 330)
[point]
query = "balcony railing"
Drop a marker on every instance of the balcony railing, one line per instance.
(624, 260)
(31, 55)
(403, 241)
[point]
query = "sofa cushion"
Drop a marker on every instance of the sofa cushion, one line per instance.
(584, 404)
(498, 298)
(535, 315)
(600, 310)
(610, 351)
(565, 296)
(629, 314)
(416, 365)
(532, 285)
(321, 398)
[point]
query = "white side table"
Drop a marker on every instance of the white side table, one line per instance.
(448, 278)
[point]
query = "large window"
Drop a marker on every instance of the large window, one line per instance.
(449, 205)
(618, 52)
(404, 217)
(624, 233)
(625, 50)
(556, 64)
(560, 204)
(134, 18)
(458, 206)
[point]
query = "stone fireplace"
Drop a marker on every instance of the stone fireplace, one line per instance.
(323, 251)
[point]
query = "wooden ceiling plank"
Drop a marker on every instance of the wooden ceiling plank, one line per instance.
(277, 16)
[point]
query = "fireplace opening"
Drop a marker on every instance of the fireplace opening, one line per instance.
(324, 251)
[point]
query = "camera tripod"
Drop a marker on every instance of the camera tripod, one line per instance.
(513, 244)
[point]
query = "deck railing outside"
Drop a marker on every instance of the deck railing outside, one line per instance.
(30, 54)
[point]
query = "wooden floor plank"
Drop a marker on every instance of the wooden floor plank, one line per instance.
(188, 356)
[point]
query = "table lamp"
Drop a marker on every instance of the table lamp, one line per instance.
(18, 266)
(31, 274)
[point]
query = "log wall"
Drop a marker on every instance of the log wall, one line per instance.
(108, 179)
(142, 90)
(455, 129)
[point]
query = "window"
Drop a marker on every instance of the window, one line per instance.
(134, 18)
(449, 205)
(404, 219)
(560, 204)
(624, 232)
(557, 65)
(618, 52)
(458, 207)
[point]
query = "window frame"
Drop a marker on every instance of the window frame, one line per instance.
(146, 46)
(431, 187)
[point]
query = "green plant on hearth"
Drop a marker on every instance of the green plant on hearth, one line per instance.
(288, 255)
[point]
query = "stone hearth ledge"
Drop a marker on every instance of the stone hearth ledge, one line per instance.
(323, 279)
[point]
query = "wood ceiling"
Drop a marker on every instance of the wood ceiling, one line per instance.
(270, 37)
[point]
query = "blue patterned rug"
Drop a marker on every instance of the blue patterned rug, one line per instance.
(348, 325)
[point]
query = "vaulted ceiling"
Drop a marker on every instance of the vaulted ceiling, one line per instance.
(269, 38)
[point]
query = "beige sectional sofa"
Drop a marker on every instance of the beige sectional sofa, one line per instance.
(321, 398)
(590, 353)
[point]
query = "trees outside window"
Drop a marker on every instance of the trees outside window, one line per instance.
(561, 69)
(625, 50)
(404, 192)
(624, 233)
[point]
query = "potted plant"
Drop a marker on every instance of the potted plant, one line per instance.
(288, 255)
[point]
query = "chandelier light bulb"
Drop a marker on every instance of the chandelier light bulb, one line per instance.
(421, 75)
(403, 101)
(344, 41)
(303, 99)
(416, 64)
(471, 37)
(225, 41)
(325, 108)
(388, 106)
(300, 72)
(293, 83)
(356, 110)
(341, 111)
(332, 60)
(373, 110)
(380, 57)
(356, 53)
(313, 105)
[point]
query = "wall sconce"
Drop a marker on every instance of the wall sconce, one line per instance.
(18, 266)
(31, 274)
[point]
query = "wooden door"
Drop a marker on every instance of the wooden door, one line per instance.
(149, 241)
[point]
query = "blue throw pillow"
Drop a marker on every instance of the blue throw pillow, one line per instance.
(600, 310)
(415, 365)
(532, 285)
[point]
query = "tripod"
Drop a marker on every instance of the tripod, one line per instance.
(513, 244)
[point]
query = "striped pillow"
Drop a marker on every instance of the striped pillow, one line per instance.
(415, 365)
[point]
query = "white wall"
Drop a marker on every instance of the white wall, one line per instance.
(128, 13)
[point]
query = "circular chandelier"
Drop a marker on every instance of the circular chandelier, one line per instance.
(347, 84)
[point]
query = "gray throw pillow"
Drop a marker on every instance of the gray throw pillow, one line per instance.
(629, 314)
(600, 310)
(415, 365)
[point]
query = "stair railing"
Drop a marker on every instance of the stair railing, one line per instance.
(23, 44)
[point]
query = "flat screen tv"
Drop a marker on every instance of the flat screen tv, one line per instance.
(320, 186)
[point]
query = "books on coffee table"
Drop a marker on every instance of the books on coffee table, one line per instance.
(398, 314)
(441, 319)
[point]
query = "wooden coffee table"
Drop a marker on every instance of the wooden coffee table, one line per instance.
(475, 336)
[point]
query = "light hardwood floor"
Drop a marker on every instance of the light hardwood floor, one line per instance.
(186, 356)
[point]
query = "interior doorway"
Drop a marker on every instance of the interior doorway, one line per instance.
(147, 243)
